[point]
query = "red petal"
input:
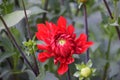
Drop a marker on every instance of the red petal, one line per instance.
(42, 57)
(42, 47)
(70, 29)
(55, 61)
(62, 69)
(43, 36)
(43, 33)
(70, 60)
(61, 22)
(82, 48)
(82, 37)
(42, 28)
(90, 43)
(50, 26)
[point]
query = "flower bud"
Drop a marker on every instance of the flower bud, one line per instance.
(85, 72)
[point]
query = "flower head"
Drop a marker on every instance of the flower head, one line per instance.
(60, 43)
(85, 71)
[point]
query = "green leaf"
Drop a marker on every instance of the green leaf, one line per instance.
(89, 63)
(93, 70)
(4, 72)
(30, 74)
(41, 76)
(3, 56)
(36, 10)
(76, 74)
(6, 43)
(114, 69)
(17, 35)
(78, 66)
(13, 18)
(50, 76)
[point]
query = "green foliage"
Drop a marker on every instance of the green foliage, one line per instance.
(104, 52)
(13, 18)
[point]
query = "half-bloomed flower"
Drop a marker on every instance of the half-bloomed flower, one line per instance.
(60, 43)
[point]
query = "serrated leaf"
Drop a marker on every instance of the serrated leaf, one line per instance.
(78, 66)
(89, 63)
(76, 74)
(93, 70)
(13, 18)
(36, 10)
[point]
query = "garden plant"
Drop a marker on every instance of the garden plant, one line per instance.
(59, 39)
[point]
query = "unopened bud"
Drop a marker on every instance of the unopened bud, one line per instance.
(85, 72)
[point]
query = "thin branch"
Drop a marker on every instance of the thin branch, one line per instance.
(16, 44)
(118, 31)
(69, 77)
(109, 11)
(26, 18)
(111, 16)
(45, 8)
(29, 34)
(36, 66)
(86, 29)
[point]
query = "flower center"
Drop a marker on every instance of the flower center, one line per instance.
(62, 41)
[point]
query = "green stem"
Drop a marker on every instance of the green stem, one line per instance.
(108, 51)
(106, 67)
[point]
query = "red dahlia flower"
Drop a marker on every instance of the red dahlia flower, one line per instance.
(60, 43)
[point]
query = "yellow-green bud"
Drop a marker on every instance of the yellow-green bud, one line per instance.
(85, 72)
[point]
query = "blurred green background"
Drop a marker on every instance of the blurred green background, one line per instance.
(105, 54)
